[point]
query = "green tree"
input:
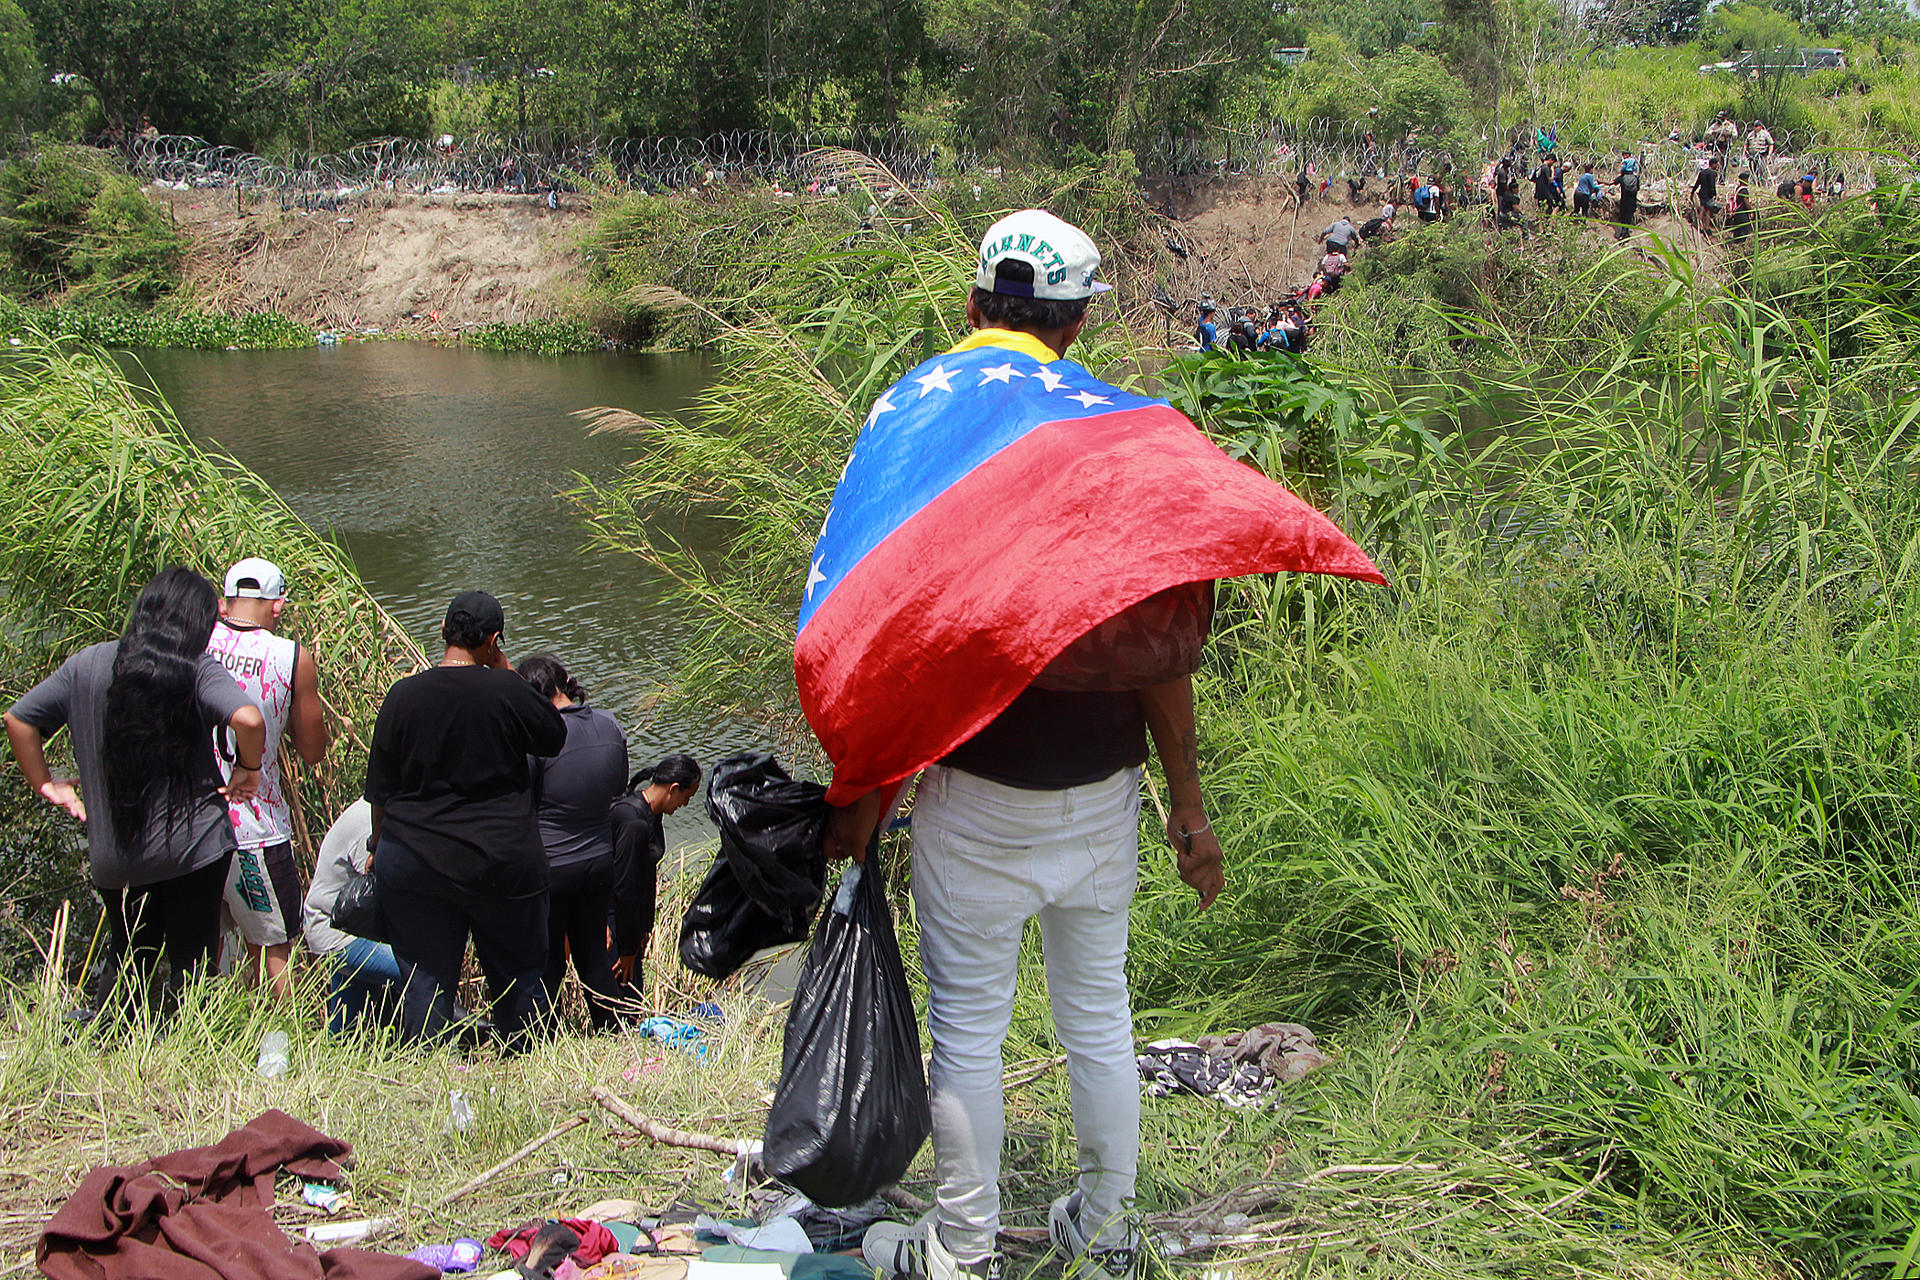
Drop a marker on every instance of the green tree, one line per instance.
(1649, 21)
(1418, 97)
(346, 69)
(20, 72)
(1092, 75)
(179, 63)
(1736, 28)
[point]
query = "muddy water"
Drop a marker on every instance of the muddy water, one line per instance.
(442, 470)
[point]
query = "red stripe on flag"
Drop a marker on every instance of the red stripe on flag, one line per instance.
(943, 624)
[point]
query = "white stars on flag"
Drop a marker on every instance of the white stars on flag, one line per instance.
(1049, 379)
(1000, 373)
(814, 578)
(1087, 399)
(940, 378)
(884, 404)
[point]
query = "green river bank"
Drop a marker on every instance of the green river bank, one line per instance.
(1586, 846)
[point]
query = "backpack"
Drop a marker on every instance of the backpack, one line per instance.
(1630, 183)
(1424, 197)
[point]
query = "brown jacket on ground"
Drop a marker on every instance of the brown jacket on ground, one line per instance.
(205, 1214)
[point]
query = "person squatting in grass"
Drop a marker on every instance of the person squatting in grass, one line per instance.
(263, 890)
(1039, 810)
(456, 848)
(573, 795)
(362, 972)
(140, 712)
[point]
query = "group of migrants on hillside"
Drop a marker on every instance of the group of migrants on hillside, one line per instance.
(1727, 167)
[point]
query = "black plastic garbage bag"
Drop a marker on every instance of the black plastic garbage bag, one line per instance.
(765, 885)
(852, 1108)
(723, 927)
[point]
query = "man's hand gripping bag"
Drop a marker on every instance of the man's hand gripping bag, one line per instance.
(852, 1108)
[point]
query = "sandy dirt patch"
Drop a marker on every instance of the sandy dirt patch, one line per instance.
(429, 263)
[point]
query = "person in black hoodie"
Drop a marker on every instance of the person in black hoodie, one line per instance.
(456, 849)
(639, 843)
(573, 795)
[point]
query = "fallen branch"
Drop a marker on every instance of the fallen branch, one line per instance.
(1027, 1072)
(482, 1179)
(666, 1135)
(1342, 1170)
(903, 1199)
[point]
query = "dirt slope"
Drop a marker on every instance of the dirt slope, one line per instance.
(1246, 241)
(473, 259)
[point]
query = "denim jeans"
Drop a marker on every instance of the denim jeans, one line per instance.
(361, 969)
(986, 859)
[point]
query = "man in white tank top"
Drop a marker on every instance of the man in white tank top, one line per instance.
(263, 889)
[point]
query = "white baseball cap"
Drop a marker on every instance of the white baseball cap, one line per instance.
(256, 579)
(1060, 258)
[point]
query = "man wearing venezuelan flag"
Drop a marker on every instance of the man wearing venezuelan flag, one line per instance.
(1007, 600)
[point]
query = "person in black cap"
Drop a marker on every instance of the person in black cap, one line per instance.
(456, 848)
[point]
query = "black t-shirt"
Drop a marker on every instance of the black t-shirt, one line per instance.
(1047, 740)
(449, 766)
(1707, 183)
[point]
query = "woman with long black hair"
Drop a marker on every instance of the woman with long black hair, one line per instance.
(639, 843)
(140, 711)
(573, 794)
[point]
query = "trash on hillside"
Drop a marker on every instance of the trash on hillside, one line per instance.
(462, 1255)
(321, 1196)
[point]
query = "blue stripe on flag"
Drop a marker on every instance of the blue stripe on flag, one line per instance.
(946, 417)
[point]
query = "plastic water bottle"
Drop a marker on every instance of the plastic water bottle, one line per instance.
(460, 1109)
(274, 1055)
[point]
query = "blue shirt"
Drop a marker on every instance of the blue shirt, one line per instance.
(1588, 185)
(1208, 335)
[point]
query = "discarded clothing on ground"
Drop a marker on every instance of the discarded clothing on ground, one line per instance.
(1286, 1049)
(829, 1229)
(596, 1242)
(1241, 1069)
(205, 1214)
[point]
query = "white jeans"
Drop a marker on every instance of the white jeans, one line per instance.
(986, 859)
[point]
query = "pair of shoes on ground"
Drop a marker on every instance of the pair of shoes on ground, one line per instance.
(916, 1252)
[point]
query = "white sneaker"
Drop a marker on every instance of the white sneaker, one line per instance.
(1124, 1262)
(914, 1252)
(897, 1249)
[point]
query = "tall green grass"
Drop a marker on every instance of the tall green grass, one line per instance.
(1588, 843)
(100, 488)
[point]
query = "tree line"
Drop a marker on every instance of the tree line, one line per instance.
(1060, 82)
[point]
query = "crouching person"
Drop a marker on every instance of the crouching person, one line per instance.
(362, 970)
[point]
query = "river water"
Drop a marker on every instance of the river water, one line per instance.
(442, 470)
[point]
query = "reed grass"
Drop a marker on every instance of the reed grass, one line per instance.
(1587, 844)
(99, 488)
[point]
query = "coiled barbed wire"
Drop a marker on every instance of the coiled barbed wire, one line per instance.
(1314, 150)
